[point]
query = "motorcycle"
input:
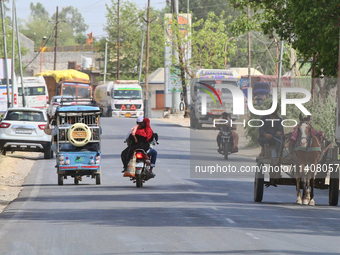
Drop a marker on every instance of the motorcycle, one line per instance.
(139, 165)
(140, 170)
(226, 141)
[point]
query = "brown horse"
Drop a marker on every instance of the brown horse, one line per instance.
(307, 151)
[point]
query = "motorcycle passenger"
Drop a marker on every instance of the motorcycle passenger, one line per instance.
(152, 153)
(140, 135)
(234, 135)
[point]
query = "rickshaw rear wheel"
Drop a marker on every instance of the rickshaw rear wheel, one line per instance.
(98, 181)
(60, 179)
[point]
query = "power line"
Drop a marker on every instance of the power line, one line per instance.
(40, 50)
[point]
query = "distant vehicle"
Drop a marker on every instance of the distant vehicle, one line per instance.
(121, 98)
(22, 129)
(68, 83)
(36, 93)
(56, 102)
(261, 91)
(203, 83)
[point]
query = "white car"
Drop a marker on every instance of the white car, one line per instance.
(56, 102)
(22, 129)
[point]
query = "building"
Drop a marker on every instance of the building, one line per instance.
(156, 94)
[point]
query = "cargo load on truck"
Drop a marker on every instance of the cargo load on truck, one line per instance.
(69, 83)
(120, 98)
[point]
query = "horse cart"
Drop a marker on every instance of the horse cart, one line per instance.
(281, 167)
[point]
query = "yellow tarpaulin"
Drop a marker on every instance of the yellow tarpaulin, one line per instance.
(65, 74)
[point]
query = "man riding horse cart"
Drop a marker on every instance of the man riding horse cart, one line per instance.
(304, 158)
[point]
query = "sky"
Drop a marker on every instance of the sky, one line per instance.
(93, 11)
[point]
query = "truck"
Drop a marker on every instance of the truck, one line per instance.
(211, 83)
(68, 82)
(120, 98)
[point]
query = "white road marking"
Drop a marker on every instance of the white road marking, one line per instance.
(252, 236)
(230, 220)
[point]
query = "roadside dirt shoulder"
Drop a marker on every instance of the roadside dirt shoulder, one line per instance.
(14, 168)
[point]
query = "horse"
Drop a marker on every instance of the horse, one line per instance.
(308, 150)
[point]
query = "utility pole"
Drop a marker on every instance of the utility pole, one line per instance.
(249, 52)
(20, 63)
(13, 52)
(56, 41)
(5, 53)
(118, 45)
(280, 64)
(105, 62)
(339, 78)
(147, 62)
(141, 54)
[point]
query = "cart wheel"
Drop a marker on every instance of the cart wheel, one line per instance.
(226, 150)
(76, 180)
(98, 181)
(60, 179)
(258, 183)
(334, 188)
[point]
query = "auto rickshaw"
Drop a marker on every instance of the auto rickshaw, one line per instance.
(78, 142)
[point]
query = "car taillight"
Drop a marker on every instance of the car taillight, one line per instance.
(15, 99)
(47, 99)
(55, 104)
(42, 126)
(74, 103)
(4, 125)
(139, 155)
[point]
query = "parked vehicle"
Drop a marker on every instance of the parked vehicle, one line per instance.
(36, 93)
(121, 98)
(56, 101)
(22, 129)
(78, 142)
(211, 82)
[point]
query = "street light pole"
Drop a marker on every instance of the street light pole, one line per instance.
(225, 51)
(41, 52)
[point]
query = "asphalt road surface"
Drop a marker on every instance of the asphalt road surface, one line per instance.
(171, 214)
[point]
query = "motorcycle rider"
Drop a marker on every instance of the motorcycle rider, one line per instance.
(138, 139)
(152, 153)
(234, 135)
(270, 133)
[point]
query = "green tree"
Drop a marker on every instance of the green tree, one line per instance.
(311, 26)
(131, 30)
(40, 24)
(73, 18)
(39, 11)
(207, 47)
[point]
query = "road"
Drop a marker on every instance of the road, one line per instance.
(171, 214)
